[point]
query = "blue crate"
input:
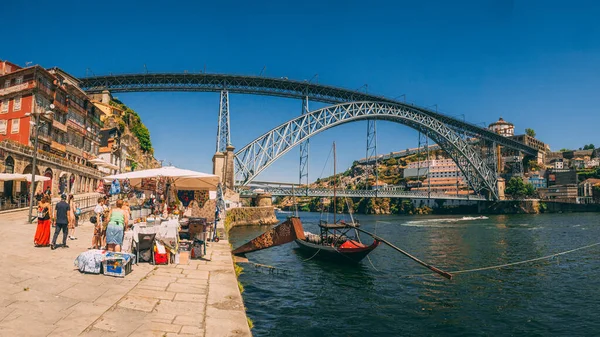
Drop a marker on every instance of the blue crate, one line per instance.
(117, 264)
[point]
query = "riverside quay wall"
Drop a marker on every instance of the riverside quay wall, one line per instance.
(250, 216)
(533, 207)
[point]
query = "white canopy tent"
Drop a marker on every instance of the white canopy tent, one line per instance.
(182, 179)
(21, 177)
(100, 162)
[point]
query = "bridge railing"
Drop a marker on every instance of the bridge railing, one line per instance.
(326, 192)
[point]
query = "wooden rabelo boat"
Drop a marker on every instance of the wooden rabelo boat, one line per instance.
(335, 244)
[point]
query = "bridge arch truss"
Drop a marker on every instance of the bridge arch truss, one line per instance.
(255, 157)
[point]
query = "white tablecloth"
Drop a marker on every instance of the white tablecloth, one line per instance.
(167, 232)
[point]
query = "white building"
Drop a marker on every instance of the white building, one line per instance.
(502, 128)
(436, 168)
(592, 163)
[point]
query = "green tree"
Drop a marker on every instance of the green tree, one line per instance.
(589, 147)
(533, 165)
(517, 188)
(564, 150)
(530, 132)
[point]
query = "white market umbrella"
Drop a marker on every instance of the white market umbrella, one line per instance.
(37, 178)
(21, 177)
(11, 176)
(100, 162)
(183, 179)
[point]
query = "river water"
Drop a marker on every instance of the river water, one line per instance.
(558, 296)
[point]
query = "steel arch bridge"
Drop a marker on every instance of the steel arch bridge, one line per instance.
(281, 87)
(255, 157)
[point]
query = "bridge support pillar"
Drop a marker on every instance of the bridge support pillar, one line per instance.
(223, 166)
(106, 97)
(371, 168)
(304, 149)
(223, 138)
(501, 186)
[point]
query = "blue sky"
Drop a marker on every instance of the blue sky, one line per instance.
(535, 63)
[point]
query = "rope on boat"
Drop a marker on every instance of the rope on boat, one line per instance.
(310, 258)
(464, 271)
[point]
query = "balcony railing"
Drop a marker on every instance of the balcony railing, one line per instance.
(59, 125)
(49, 158)
(16, 88)
(60, 106)
(76, 126)
(58, 146)
(74, 150)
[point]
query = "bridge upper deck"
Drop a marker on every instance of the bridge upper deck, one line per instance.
(282, 87)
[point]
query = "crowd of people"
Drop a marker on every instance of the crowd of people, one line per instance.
(109, 223)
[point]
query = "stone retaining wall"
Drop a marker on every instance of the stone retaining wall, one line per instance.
(250, 216)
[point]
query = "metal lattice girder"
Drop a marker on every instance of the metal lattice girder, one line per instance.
(275, 87)
(383, 193)
(253, 158)
(223, 138)
(371, 151)
(304, 149)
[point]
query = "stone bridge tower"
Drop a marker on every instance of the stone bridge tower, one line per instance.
(223, 166)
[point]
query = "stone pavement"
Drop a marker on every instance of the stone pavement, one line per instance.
(42, 294)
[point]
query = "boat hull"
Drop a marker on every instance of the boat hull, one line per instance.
(337, 254)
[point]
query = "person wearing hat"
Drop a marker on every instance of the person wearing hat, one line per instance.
(61, 221)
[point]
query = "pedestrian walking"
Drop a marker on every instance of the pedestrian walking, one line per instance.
(73, 217)
(61, 221)
(42, 233)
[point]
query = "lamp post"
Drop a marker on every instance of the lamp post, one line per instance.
(36, 124)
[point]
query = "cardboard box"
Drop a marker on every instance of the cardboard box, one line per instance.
(184, 257)
(195, 229)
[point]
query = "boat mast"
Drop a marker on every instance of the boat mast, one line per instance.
(334, 185)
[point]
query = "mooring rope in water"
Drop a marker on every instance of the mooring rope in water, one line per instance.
(271, 269)
(371, 262)
(464, 271)
(310, 258)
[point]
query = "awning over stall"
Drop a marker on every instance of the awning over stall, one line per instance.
(182, 179)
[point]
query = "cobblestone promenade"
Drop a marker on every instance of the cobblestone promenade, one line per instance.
(42, 294)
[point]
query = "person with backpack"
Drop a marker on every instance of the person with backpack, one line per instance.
(61, 221)
(42, 233)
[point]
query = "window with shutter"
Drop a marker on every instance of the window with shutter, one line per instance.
(3, 127)
(4, 108)
(14, 128)
(17, 103)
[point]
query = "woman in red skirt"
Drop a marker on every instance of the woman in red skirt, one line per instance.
(42, 234)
